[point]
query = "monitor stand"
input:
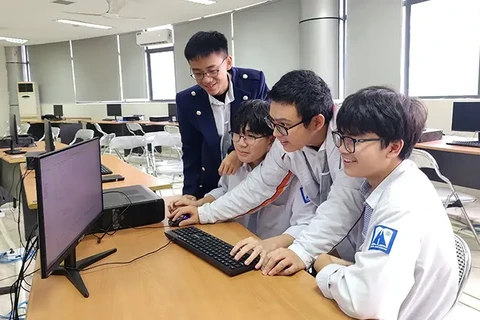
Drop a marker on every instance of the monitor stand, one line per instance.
(71, 268)
(14, 151)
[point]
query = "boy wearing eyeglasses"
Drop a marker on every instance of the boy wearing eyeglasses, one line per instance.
(252, 138)
(205, 111)
(302, 115)
(404, 264)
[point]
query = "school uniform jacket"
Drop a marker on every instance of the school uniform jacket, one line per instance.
(200, 139)
(278, 217)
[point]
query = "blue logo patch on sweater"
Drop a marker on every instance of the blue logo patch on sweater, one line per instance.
(382, 239)
(305, 197)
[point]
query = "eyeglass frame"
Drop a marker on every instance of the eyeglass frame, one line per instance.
(272, 125)
(208, 73)
(355, 141)
(244, 136)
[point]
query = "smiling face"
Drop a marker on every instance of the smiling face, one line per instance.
(211, 72)
(370, 159)
(251, 147)
(298, 136)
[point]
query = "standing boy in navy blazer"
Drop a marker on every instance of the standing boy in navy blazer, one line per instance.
(205, 111)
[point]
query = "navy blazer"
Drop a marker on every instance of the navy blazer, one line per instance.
(200, 139)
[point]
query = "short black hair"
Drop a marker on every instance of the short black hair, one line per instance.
(204, 43)
(307, 92)
(252, 113)
(383, 111)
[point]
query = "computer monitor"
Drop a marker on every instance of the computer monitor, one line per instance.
(466, 116)
(70, 200)
(114, 110)
(12, 122)
(58, 110)
(49, 141)
(172, 111)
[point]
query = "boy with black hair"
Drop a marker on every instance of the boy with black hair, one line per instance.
(205, 111)
(405, 264)
(252, 139)
(302, 115)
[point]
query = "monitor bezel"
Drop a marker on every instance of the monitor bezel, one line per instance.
(46, 270)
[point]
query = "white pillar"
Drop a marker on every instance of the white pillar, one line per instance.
(13, 56)
(319, 40)
(4, 105)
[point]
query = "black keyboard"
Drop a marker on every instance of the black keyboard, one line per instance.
(211, 249)
(105, 170)
(475, 144)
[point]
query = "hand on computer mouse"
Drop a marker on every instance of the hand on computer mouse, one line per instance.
(191, 210)
(185, 200)
(176, 223)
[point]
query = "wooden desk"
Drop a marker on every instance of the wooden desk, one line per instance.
(174, 284)
(133, 176)
(20, 158)
(459, 164)
(441, 145)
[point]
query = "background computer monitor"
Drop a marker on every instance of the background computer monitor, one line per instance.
(49, 141)
(58, 110)
(12, 122)
(70, 200)
(466, 116)
(114, 110)
(172, 111)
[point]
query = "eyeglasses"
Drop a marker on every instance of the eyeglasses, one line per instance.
(280, 128)
(349, 142)
(247, 138)
(198, 75)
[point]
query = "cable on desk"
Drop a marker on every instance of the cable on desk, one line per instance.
(131, 261)
(99, 239)
(16, 287)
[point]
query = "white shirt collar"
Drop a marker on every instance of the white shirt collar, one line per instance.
(375, 195)
(229, 97)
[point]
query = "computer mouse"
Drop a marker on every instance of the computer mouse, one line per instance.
(175, 223)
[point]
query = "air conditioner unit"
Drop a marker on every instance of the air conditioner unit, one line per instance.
(157, 37)
(28, 99)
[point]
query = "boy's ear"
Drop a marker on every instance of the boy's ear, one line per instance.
(395, 148)
(317, 122)
(229, 62)
(270, 142)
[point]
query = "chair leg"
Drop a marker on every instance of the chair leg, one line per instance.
(470, 225)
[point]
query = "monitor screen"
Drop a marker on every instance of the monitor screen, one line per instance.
(13, 128)
(58, 110)
(466, 116)
(114, 110)
(172, 109)
(70, 200)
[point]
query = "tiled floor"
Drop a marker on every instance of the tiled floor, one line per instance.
(467, 308)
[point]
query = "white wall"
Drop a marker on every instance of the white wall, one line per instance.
(267, 38)
(440, 115)
(374, 44)
(99, 111)
(4, 104)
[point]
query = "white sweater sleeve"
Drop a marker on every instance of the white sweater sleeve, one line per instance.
(261, 187)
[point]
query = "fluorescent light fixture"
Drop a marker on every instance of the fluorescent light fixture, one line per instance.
(205, 2)
(13, 40)
(82, 24)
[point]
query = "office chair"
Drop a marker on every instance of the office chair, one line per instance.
(174, 142)
(171, 129)
(82, 135)
(123, 143)
(105, 141)
(55, 133)
(24, 127)
(134, 127)
(99, 129)
(445, 194)
(464, 259)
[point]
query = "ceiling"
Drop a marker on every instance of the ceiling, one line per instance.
(33, 19)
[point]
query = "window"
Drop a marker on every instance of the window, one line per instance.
(161, 71)
(442, 48)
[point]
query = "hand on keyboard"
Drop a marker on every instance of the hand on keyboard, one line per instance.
(255, 248)
(191, 210)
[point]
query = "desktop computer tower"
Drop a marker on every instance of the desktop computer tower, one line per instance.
(142, 207)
